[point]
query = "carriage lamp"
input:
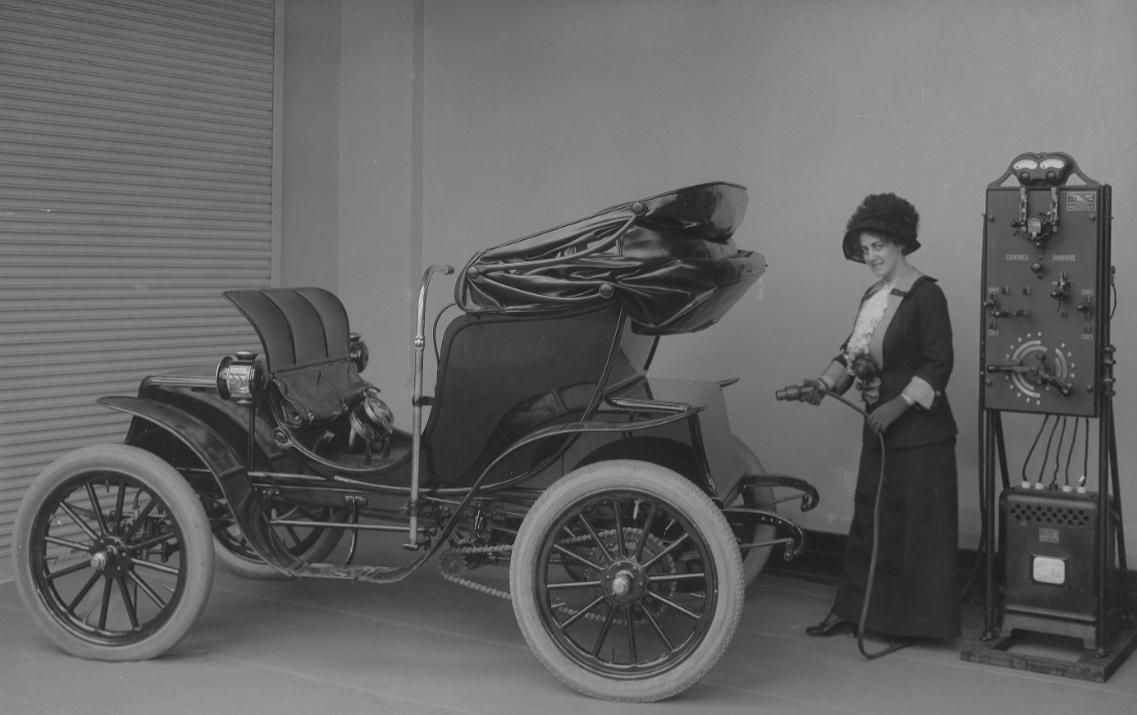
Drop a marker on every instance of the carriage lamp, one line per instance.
(358, 352)
(239, 376)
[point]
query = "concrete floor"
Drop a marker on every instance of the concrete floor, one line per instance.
(428, 646)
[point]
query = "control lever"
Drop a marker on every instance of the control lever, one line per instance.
(995, 311)
(1064, 388)
(1037, 373)
(1061, 289)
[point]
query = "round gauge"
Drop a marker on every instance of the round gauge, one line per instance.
(1024, 164)
(1053, 163)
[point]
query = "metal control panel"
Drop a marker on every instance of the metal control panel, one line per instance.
(1045, 288)
(1046, 303)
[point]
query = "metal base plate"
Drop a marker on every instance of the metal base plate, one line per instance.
(1052, 655)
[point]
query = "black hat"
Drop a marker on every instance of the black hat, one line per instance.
(886, 214)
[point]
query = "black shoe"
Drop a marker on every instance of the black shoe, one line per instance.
(831, 626)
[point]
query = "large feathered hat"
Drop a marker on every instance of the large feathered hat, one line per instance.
(885, 214)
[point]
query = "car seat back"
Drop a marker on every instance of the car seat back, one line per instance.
(307, 352)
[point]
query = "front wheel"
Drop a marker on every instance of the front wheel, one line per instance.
(626, 581)
(113, 554)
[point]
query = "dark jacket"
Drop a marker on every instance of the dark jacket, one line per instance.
(917, 343)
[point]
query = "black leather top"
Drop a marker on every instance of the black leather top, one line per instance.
(669, 259)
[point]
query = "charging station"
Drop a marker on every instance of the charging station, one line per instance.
(1053, 545)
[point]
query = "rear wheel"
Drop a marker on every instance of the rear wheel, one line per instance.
(113, 554)
(626, 581)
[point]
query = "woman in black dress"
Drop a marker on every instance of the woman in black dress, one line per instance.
(899, 356)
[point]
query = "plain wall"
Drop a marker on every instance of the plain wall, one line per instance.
(527, 114)
(349, 167)
(311, 137)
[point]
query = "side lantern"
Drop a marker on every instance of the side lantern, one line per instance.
(239, 377)
(359, 353)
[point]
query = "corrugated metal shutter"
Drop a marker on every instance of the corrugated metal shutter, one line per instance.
(136, 152)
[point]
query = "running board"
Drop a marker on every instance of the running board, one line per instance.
(365, 574)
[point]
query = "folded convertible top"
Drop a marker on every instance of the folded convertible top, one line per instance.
(669, 259)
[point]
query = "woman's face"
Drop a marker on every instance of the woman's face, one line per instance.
(883, 257)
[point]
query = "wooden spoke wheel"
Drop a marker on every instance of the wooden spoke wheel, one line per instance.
(114, 556)
(626, 581)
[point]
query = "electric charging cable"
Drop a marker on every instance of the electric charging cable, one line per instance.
(795, 392)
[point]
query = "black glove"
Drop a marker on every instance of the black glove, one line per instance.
(882, 417)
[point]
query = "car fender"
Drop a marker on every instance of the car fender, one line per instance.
(221, 460)
(674, 454)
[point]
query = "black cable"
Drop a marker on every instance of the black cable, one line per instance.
(1070, 454)
(1058, 452)
(893, 647)
(1032, 446)
(1046, 456)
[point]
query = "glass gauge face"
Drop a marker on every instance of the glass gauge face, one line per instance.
(1052, 163)
(1025, 164)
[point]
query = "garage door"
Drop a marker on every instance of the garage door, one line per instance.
(136, 183)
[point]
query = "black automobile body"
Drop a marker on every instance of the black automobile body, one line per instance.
(621, 503)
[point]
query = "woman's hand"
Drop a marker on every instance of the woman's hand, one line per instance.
(882, 417)
(814, 395)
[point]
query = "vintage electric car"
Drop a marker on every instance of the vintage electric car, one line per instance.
(621, 504)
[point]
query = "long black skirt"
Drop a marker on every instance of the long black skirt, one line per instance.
(915, 592)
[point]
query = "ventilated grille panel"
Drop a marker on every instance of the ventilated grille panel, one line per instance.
(1045, 514)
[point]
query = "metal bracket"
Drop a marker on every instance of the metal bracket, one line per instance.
(809, 497)
(794, 543)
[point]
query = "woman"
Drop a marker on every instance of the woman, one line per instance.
(899, 356)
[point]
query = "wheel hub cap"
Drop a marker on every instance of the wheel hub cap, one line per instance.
(622, 584)
(110, 558)
(625, 582)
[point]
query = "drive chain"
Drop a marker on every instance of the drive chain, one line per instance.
(479, 587)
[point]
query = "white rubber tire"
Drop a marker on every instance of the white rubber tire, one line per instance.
(679, 495)
(185, 512)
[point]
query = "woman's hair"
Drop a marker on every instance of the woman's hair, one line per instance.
(886, 215)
